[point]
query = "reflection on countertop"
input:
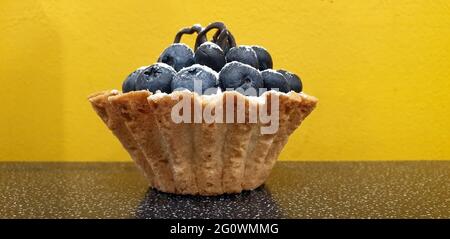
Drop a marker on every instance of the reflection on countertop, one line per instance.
(406, 189)
(249, 204)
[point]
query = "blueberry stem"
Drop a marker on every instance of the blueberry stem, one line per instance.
(189, 30)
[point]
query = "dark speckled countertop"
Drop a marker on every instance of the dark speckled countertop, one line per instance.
(408, 189)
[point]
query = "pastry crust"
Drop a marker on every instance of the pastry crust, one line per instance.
(116, 124)
(199, 157)
(293, 110)
(209, 138)
(135, 111)
(257, 150)
(236, 142)
(177, 142)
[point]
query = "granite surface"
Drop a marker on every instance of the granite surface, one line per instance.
(407, 189)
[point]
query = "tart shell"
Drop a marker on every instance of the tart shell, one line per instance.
(199, 157)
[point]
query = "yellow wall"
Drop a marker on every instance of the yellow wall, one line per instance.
(381, 70)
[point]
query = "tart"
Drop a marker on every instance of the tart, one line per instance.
(194, 155)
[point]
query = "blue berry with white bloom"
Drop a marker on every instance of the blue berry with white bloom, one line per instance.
(156, 77)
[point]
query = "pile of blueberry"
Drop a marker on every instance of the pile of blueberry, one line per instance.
(218, 63)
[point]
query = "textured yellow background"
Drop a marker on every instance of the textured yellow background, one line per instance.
(381, 70)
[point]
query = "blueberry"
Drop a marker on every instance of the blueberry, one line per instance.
(211, 55)
(238, 76)
(264, 58)
(156, 77)
(243, 54)
(198, 75)
(177, 55)
(275, 81)
(129, 84)
(294, 81)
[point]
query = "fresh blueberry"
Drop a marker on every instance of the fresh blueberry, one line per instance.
(129, 84)
(156, 77)
(243, 54)
(274, 80)
(241, 77)
(211, 55)
(264, 58)
(294, 81)
(177, 55)
(196, 78)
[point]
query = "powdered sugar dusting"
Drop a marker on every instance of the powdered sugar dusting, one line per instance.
(211, 45)
(230, 64)
(246, 48)
(259, 47)
(114, 92)
(164, 65)
(158, 95)
(272, 71)
(204, 68)
(261, 99)
(181, 44)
